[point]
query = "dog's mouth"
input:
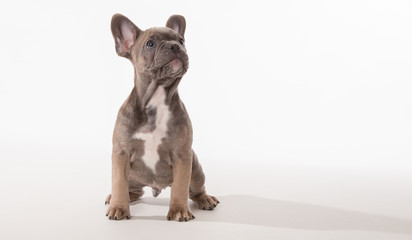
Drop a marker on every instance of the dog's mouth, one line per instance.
(170, 67)
(176, 64)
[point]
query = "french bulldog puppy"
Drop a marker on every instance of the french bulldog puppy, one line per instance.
(152, 138)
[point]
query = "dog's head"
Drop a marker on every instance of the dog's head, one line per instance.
(156, 52)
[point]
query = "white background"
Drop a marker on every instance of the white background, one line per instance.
(302, 115)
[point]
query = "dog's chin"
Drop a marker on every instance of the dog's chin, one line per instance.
(175, 65)
(174, 68)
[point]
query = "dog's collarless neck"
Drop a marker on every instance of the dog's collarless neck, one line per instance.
(146, 87)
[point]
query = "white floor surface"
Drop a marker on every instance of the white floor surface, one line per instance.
(47, 199)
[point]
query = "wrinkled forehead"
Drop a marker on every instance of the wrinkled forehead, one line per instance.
(161, 33)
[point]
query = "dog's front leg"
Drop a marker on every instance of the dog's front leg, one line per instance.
(119, 201)
(179, 208)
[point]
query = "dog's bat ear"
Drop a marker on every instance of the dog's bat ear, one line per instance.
(124, 33)
(177, 23)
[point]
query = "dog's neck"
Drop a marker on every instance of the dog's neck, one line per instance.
(146, 85)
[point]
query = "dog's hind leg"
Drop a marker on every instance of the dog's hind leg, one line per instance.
(197, 191)
(135, 190)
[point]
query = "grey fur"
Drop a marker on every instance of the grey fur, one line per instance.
(161, 66)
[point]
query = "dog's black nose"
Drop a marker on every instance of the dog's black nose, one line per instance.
(175, 48)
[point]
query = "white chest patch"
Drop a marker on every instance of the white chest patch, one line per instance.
(154, 138)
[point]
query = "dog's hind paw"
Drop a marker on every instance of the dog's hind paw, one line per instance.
(205, 202)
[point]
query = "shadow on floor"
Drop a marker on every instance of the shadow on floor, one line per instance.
(251, 210)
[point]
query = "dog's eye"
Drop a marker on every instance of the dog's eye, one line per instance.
(182, 41)
(150, 44)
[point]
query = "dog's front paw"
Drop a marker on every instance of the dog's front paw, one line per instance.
(205, 202)
(118, 211)
(180, 213)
